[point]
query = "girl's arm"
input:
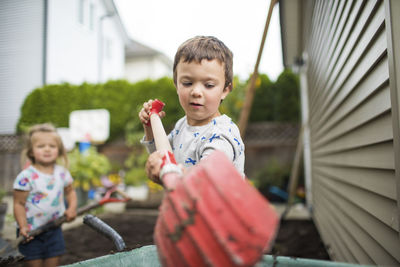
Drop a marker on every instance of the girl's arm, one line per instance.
(72, 201)
(19, 212)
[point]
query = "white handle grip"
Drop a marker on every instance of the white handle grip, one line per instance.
(160, 137)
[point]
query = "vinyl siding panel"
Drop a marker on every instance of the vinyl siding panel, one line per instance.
(355, 201)
(21, 56)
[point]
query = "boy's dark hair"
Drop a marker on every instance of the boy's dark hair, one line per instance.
(205, 47)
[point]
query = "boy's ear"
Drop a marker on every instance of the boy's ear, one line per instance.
(229, 87)
(226, 91)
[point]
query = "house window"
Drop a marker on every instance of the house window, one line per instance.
(91, 16)
(81, 11)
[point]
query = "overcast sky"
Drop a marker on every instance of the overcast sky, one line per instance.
(165, 24)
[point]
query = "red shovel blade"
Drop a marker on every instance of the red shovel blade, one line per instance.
(214, 218)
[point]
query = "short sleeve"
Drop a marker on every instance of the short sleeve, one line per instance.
(149, 145)
(23, 182)
(216, 142)
(65, 177)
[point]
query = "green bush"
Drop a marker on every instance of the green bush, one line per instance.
(3, 193)
(88, 167)
(54, 103)
(233, 103)
(279, 101)
(273, 174)
(162, 89)
(136, 174)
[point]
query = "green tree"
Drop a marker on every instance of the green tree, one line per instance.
(233, 103)
(287, 97)
(263, 102)
(279, 101)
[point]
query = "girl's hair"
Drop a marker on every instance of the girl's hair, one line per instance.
(27, 153)
(205, 47)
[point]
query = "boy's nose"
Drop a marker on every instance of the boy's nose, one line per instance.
(196, 91)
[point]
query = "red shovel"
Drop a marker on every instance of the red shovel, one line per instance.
(211, 216)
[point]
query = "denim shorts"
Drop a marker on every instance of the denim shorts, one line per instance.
(46, 245)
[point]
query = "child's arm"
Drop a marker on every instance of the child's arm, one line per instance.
(144, 116)
(153, 166)
(72, 201)
(20, 213)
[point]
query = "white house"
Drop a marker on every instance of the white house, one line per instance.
(142, 62)
(53, 41)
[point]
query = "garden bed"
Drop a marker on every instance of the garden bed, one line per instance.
(296, 238)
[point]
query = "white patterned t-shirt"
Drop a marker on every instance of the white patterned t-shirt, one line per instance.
(190, 144)
(45, 201)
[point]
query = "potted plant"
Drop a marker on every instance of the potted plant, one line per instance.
(3, 208)
(87, 169)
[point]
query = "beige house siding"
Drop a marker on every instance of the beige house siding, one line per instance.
(353, 127)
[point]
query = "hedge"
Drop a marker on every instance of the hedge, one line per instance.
(54, 103)
(277, 101)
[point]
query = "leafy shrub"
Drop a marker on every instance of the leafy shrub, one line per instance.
(279, 101)
(54, 103)
(274, 173)
(162, 89)
(136, 174)
(233, 103)
(88, 167)
(3, 193)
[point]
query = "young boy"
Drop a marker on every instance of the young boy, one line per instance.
(203, 76)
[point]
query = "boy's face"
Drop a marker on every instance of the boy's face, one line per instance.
(200, 88)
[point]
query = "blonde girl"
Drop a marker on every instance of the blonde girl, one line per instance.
(39, 194)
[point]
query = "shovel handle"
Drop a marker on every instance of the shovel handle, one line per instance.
(162, 144)
(59, 221)
(160, 137)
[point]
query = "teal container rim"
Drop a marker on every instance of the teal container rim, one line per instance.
(147, 256)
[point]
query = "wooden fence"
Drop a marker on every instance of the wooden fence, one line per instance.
(268, 141)
(10, 155)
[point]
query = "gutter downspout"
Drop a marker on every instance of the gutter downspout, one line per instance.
(306, 132)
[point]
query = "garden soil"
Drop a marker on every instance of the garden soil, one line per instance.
(296, 238)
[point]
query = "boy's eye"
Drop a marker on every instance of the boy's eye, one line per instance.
(209, 85)
(186, 84)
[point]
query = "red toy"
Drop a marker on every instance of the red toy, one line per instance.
(211, 216)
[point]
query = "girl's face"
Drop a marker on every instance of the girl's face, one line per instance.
(200, 88)
(44, 148)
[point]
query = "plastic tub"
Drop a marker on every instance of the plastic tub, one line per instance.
(147, 257)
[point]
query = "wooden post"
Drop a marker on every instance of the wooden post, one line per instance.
(294, 175)
(248, 102)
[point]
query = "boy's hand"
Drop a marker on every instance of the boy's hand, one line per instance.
(144, 114)
(70, 214)
(153, 166)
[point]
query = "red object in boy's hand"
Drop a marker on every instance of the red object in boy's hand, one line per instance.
(156, 107)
